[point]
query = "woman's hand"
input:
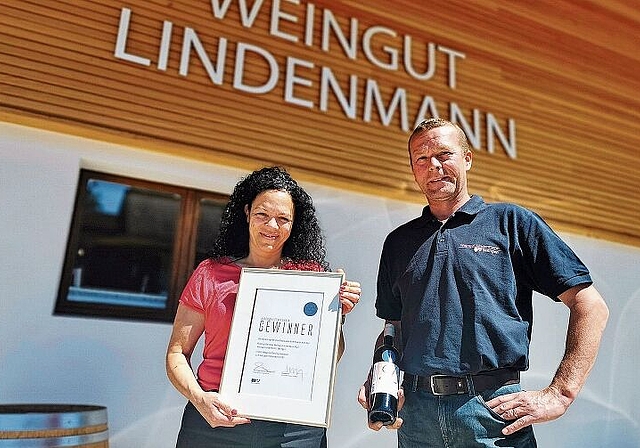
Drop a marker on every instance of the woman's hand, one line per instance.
(349, 294)
(216, 412)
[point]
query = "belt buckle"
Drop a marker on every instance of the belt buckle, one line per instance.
(432, 384)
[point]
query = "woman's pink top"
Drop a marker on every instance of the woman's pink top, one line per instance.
(212, 290)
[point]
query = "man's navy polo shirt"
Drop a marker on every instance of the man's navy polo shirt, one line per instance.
(463, 290)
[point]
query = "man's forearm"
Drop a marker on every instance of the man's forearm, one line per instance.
(587, 320)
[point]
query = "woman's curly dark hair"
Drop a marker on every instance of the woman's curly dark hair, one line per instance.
(306, 242)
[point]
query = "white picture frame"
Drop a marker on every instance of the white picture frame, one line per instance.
(282, 352)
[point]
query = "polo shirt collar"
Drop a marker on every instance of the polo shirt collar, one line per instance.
(471, 207)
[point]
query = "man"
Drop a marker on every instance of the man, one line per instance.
(457, 283)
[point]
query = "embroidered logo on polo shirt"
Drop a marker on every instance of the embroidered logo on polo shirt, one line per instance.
(481, 248)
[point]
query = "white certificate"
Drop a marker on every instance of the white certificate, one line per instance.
(282, 353)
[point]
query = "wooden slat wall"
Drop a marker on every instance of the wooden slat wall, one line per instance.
(566, 71)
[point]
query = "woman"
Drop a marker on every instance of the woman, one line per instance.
(269, 222)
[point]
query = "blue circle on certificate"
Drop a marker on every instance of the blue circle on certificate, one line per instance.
(310, 309)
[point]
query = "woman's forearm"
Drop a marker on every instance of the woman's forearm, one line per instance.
(181, 376)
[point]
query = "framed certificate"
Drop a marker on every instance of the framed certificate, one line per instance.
(282, 353)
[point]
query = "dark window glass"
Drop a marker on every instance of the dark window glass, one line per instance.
(132, 247)
(208, 223)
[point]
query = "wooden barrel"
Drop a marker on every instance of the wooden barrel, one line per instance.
(53, 425)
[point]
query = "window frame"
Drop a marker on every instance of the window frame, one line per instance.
(183, 246)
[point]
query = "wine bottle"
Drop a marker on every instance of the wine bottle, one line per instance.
(383, 392)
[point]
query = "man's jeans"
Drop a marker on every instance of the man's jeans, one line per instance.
(457, 421)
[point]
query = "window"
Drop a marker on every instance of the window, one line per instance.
(132, 246)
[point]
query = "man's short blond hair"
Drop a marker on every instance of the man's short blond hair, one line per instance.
(432, 123)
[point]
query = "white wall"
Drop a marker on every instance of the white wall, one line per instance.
(118, 364)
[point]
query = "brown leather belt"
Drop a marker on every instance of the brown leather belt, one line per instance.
(458, 385)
